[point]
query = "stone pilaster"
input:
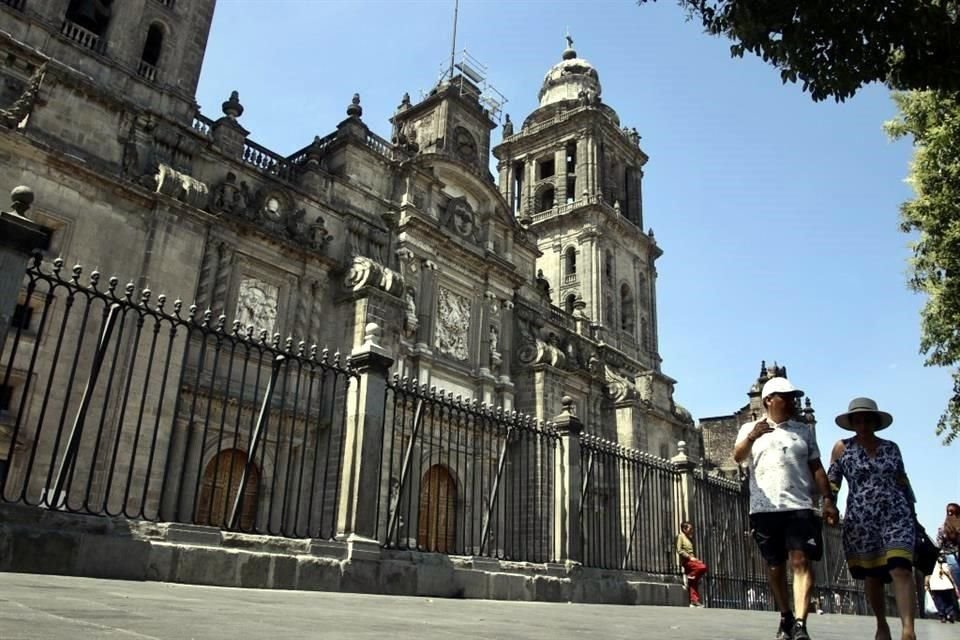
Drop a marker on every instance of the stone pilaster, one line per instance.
(18, 238)
(567, 545)
(425, 313)
(687, 467)
(363, 439)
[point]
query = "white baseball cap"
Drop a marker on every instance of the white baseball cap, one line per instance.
(779, 385)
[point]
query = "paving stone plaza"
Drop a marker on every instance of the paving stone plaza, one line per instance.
(57, 608)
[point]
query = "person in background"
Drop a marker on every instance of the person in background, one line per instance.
(948, 539)
(693, 567)
(943, 590)
(879, 525)
(785, 468)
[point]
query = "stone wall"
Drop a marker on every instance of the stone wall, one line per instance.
(38, 541)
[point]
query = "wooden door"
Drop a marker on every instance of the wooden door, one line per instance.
(221, 482)
(438, 511)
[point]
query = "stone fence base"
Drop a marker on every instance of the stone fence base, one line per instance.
(34, 540)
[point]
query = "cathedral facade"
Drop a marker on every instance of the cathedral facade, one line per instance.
(513, 290)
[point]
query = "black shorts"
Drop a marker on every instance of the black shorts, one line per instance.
(780, 532)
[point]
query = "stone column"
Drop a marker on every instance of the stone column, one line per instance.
(363, 439)
(567, 482)
(18, 238)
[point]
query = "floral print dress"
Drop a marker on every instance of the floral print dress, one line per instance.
(878, 527)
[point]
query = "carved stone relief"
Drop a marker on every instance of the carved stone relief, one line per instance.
(453, 324)
(271, 210)
(458, 216)
(257, 304)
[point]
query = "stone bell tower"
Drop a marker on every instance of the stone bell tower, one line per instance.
(573, 176)
(148, 51)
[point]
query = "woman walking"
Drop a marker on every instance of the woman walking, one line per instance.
(878, 527)
(948, 539)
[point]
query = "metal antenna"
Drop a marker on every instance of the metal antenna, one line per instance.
(453, 45)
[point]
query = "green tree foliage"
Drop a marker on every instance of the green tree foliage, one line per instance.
(932, 119)
(834, 47)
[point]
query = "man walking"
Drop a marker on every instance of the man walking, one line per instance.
(784, 463)
(693, 567)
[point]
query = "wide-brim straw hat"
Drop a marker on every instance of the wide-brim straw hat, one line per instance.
(863, 405)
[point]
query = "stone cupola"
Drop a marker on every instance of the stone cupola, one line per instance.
(569, 79)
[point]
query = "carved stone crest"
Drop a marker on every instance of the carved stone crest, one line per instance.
(453, 324)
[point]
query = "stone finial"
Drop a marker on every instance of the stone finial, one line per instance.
(355, 110)
(568, 407)
(21, 198)
(682, 448)
(232, 107)
(372, 333)
(404, 103)
(651, 234)
(578, 303)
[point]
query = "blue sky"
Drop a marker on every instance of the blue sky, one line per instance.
(778, 216)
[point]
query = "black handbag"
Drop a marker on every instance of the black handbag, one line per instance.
(925, 552)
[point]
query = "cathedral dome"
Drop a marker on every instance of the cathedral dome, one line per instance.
(570, 77)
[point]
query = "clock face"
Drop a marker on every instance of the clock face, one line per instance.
(464, 144)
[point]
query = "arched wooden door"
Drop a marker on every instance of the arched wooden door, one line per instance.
(221, 482)
(438, 511)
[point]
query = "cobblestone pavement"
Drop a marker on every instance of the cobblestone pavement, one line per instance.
(37, 607)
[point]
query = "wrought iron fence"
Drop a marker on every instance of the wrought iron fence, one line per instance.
(737, 578)
(628, 508)
(462, 478)
(120, 404)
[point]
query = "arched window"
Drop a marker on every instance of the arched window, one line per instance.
(608, 266)
(221, 482)
(546, 199)
(570, 262)
(437, 521)
(568, 302)
(92, 15)
(626, 308)
(153, 45)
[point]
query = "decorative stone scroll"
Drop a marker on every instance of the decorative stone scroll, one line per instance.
(619, 388)
(181, 186)
(257, 305)
(364, 272)
(453, 324)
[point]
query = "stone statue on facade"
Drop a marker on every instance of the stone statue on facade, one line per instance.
(410, 320)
